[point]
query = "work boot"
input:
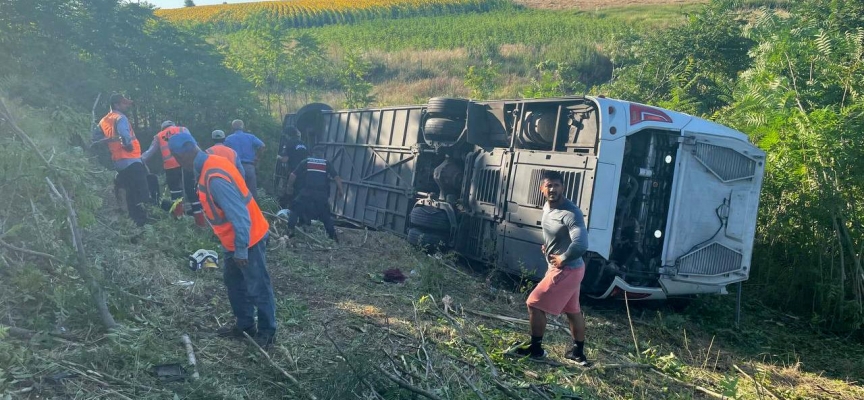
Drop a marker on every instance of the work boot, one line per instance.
(235, 332)
(199, 219)
(523, 349)
(265, 340)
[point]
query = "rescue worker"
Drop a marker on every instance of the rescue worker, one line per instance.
(180, 182)
(565, 240)
(249, 148)
(240, 226)
(292, 150)
(115, 129)
(220, 149)
(312, 177)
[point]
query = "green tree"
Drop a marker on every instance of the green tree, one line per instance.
(691, 68)
(358, 91)
(550, 82)
(802, 101)
(188, 3)
(482, 80)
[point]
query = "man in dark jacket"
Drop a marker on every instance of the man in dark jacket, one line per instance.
(312, 177)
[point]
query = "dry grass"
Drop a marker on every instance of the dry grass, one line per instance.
(401, 329)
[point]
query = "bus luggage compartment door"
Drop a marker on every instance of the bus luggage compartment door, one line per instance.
(522, 230)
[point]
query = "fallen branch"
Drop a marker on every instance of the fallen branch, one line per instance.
(347, 361)
(690, 385)
(26, 334)
(30, 252)
(190, 353)
(406, 385)
(89, 372)
(504, 389)
(81, 266)
(758, 385)
(630, 320)
(464, 337)
(618, 366)
(552, 324)
(292, 379)
(468, 382)
(539, 392)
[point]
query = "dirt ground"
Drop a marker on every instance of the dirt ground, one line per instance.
(595, 4)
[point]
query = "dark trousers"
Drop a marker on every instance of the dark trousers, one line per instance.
(182, 183)
(249, 288)
(133, 179)
(251, 178)
(312, 206)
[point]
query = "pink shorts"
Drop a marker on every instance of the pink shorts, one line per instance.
(558, 291)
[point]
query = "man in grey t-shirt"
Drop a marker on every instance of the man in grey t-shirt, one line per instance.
(565, 240)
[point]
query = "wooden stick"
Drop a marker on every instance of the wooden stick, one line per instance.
(690, 385)
(30, 252)
(293, 380)
(758, 385)
(347, 361)
(539, 392)
(406, 385)
(630, 320)
(190, 353)
(79, 369)
(461, 332)
(551, 324)
(504, 389)
(467, 382)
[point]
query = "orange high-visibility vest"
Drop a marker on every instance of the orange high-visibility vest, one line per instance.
(220, 149)
(168, 161)
(108, 125)
(221, 168)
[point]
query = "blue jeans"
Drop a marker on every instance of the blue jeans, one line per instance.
(249, 288)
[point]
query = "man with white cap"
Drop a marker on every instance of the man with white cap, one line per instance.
(220, 149)
(242, 229)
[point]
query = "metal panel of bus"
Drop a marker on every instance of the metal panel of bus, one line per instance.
(375, 153)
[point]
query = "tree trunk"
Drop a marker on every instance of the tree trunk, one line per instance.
(81, 266)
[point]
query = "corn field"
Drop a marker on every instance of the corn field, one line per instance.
(309, 13)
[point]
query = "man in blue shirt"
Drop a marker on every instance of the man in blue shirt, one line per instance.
(248, 148)
(242, 229)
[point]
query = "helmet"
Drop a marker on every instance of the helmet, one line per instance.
(203, 259)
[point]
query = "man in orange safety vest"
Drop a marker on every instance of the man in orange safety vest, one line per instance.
(242, 229)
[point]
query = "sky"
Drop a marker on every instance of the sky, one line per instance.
(179, 3)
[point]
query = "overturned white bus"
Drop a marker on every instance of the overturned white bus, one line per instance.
(670, 200)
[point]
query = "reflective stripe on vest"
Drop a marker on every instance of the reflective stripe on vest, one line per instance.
(316, 174)
(168, 161)
(109, 128)
(222, 150)
(221, 168)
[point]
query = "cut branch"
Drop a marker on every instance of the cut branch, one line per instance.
(96, 292)
(406, 385)
(290, 378)
(30, 252)
(190, 354)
